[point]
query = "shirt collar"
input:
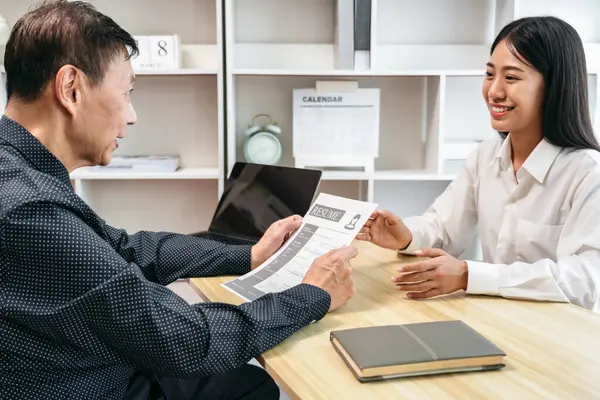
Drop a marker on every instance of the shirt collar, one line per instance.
(537, 164)
(32, 149)
(503, 155)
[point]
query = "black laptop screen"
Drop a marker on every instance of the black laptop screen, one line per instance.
(255, 196)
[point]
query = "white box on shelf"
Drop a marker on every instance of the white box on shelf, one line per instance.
(157, 52)
(140, 164)
(336, 128)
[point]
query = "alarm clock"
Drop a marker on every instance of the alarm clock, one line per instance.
(262, 144)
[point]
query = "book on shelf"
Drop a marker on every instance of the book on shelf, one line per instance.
(344, 33)
(154, 164)
(394, 351)
(352, 35)
(362, 35)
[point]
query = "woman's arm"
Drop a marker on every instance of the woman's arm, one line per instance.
(450, 223)
(575, 275)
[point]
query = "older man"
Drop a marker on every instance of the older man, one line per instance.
(84, 313)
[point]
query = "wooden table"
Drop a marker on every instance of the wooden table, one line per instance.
(553, 350)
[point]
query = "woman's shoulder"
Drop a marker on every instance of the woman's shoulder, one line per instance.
(587, 160)
(582, 166)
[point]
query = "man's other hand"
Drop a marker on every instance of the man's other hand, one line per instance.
(274, 237)
(332, 272)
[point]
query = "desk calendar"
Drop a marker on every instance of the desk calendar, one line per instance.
(336, 129)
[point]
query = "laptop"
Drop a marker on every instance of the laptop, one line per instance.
(257, 195)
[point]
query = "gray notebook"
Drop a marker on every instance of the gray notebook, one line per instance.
(392, 351)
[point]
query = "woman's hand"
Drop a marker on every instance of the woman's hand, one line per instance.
(387, 230)
(442, 274)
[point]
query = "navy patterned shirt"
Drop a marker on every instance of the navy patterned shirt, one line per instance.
(83, 305)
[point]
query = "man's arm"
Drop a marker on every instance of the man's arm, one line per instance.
(165, 257)
(575, 275)
(66, 283)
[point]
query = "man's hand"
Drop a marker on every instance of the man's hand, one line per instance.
(332, 272)
(274, 237)
(387, 230)
(441, 274)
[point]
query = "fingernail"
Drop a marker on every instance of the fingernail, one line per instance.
(394, 279)
(409, 295)
(418, 251)
(400, 269)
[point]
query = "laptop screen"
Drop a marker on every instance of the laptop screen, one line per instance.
(256, 195)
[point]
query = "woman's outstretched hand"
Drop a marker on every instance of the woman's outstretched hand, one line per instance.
(386, 230)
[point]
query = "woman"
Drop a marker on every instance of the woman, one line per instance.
(533, 192)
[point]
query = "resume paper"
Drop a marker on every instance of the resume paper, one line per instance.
(332, 222)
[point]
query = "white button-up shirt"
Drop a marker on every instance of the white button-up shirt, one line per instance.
(539, 231)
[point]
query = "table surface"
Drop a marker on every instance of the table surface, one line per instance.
(553, 349)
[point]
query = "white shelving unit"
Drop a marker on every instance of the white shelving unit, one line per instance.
(179, 112)
(245, 57)
(428, 59)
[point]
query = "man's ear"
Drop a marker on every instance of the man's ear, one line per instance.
(69, 85)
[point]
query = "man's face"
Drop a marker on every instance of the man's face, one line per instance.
(104, 113)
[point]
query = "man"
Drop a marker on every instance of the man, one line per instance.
(84, 313)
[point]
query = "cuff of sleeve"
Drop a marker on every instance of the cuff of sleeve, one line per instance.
(313, 299)
(484, 278)
(417, 239)
(239, 259)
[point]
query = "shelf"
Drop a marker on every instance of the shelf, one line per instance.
(345, 175)
(410, 175)
(449, 58)
(423, 22)
(167, 72)
(351, 73)
(183, 173)
(386, 175)
(183, 71)
(299, 72)
(260, 56)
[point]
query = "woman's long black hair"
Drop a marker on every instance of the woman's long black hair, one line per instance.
(554, 48)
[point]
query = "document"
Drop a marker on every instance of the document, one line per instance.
(332, 222)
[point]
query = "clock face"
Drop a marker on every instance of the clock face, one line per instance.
(263, 148)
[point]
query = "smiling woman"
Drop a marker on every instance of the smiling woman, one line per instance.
(547, 80)
(533, 192)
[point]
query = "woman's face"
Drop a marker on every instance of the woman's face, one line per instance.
(513, 92)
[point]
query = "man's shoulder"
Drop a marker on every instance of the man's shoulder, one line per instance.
(21, 184)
